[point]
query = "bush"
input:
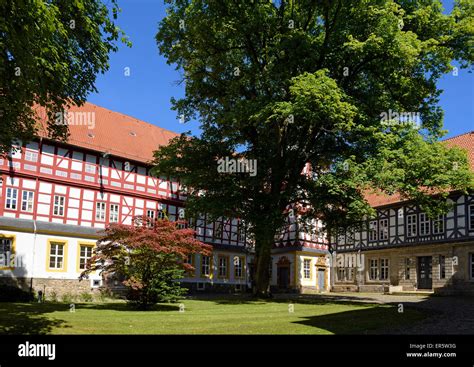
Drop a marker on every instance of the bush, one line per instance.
(53, 296)
(10, 293)
(67, 298)
(86, 297)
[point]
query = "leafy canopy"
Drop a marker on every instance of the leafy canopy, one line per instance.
(51, 52)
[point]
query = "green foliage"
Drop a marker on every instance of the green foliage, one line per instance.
(67, 298)
(50, 52)
(291, 83)
(86, 297)
(53, 296)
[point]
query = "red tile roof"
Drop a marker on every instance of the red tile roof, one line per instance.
(113, 133)
(465, 141)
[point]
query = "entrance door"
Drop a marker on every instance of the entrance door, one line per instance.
(283, 277)
(321, 276)
(424, 272)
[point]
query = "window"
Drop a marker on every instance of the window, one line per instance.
(373, 230)
(471, 216)
(238, 267)
(85, 253)
(223, 267)
(100, 211)
(6, 252)
(424, 225)
(373, 269)
(384, 229)
(341, 274)
(438, 224)
(161, 214)
(383, 269)
(407, 268)
(31, 156)
(114, 213)
(307, 268)
(205, 266)
(442, 267)
(58, 208)
(150, 214)
(11, 199)
(90, 168)
(56, 255)
(27, 201)
(411, 225)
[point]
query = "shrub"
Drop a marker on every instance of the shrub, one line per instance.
(53, 296)
(86, 297)
(10, 293)
(67, 298)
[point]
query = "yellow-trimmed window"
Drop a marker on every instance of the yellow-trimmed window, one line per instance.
(307, 268)
(7, 252)
(223, 266)
(238, 266)
(57, 256)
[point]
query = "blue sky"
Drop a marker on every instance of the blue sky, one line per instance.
(146, 93)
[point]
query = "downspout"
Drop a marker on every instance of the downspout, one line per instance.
(34, 255)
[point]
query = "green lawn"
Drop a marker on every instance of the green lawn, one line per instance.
(214, 316)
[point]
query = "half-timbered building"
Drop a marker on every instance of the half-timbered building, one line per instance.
(56, 197)
(403, 249)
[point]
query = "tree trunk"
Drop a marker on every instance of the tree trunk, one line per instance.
(263, 246)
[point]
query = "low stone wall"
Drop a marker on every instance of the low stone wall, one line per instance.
(52, 287)
(214, 288)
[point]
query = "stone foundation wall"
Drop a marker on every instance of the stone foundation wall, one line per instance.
(50, 287)
(214, 288)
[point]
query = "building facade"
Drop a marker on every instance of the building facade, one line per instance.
(56, 198)
(402, 249)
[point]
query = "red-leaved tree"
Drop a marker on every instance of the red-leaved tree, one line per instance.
(149, 257)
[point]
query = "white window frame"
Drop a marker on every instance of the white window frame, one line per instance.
(307, 268)
(114, 211)
(411, 225)
(11, 198)
(205, 266)
(7, 255)
(86, 257)
(31, 156)
(56, 256)
(373, 231)
(223, 264)
(100, 211)
(384, 272)
(424, 224)
(438, 224)
(373, 269)
(90, 168)
(59, 205)
(383, 229)
(238, 267)
(28, 202)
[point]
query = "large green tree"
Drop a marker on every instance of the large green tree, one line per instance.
(51, 52)
(312, 81)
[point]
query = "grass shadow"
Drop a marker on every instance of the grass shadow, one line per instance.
(28, 318)
(381, 319)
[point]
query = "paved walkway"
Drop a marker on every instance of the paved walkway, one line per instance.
(446, 315)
